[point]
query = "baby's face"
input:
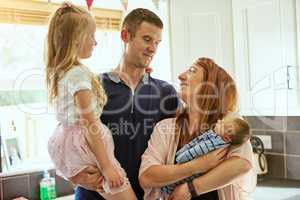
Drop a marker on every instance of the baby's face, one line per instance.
(225, 129)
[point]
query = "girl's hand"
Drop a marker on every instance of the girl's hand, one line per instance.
(113, 177)
(208, 161)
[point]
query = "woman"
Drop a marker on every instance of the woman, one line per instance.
(209, 94)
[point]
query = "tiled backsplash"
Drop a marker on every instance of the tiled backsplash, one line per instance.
(284, 157)
(27, 185)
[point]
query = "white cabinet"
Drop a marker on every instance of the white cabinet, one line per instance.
(266, 44)
(200, 29)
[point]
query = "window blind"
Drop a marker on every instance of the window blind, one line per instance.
(38, 12)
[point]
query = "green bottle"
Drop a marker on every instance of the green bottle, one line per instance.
(47, 187)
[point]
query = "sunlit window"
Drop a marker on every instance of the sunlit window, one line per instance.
(26, 120)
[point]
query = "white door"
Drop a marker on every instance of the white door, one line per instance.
(265, 44)
(201, 29)
(294, 67)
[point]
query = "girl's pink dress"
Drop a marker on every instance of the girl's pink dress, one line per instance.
(71, 154)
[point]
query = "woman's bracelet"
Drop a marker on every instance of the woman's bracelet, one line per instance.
(191, 188)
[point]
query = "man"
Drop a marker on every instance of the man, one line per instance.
(136, 101)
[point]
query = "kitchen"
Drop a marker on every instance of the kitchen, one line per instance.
(256, 41)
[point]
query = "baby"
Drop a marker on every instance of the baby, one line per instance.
(228, 131)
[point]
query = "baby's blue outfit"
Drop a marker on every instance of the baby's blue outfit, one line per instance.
(203, 144)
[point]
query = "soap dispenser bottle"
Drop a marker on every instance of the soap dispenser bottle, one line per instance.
(47, 187)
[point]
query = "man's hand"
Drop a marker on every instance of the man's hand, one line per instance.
(90, 178)
(181, 192)
(149, 70)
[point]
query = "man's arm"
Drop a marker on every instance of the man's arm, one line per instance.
(90, 178)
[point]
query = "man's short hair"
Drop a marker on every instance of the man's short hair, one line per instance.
(137, 16)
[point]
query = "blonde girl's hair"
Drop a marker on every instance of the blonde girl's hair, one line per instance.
(68, 29)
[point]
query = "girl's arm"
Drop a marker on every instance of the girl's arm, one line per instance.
(83, 99)
(94, 136)
(161, 175)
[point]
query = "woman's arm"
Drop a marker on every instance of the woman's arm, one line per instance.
(216, 178)
(222, 175)
(161, 175)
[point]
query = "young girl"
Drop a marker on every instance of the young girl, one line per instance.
(80, 139)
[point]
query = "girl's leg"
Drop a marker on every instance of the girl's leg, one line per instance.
(127, 194)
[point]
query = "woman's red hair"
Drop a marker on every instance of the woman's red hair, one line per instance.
(216, 96)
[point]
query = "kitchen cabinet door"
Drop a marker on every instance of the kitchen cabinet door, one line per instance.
(201, 29)
(266, 52)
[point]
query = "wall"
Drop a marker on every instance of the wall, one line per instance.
(284, 156)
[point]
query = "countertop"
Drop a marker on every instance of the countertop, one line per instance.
(277, 189)
(69, 197)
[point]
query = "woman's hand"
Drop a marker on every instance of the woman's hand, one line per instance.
(208, 161)
(181, 192)
(90, 178)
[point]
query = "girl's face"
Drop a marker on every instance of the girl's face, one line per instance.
(87, 47)
(190, 82)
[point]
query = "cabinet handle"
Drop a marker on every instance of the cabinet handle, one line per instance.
(288, 76)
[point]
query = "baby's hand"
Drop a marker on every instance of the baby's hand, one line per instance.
(113, 177)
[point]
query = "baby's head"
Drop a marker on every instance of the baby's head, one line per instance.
(233, 130)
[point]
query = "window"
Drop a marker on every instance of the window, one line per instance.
(25, 117)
